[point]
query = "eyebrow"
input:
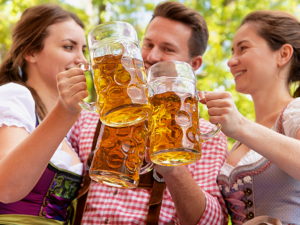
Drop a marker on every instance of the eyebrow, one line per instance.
(164, 43)
(72, 41)
(168, 44)
(241, 42)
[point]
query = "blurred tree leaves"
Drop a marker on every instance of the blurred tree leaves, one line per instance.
(11, 11)
(223, 18)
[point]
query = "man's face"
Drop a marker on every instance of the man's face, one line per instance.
(164, 40)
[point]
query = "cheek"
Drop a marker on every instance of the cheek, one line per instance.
(144, 54)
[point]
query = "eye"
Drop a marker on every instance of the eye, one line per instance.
(168, 50)
(147, 45)
(83, 51)
(68, 47)
(243, 48)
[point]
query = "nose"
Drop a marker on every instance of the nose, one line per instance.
(155, 55)
(80, 58)
(233, 61)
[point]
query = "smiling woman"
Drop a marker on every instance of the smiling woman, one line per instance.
(260, 176)
(40, 173)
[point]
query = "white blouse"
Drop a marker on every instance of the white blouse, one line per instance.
(17, 108)
(291, 124)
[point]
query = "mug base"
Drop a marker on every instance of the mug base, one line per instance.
(113, 179)
(126, 115)
(175, 157)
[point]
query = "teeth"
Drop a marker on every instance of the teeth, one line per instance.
(239, 73)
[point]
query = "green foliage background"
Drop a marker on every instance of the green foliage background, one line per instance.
(223, 18)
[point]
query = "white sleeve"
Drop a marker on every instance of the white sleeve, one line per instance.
(17, 107)
(291, 118)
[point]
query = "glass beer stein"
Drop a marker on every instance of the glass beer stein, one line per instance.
(119, 75)
(119, 155)
(175, 138)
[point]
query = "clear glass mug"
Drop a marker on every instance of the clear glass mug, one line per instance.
(119, 155)
(119, 75)
(175, 138)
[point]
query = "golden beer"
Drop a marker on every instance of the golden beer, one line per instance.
(175, 138)
(121, 87)
(119, 155)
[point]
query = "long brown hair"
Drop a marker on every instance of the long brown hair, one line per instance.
(178, 12)
(28, 36)
(279, 28)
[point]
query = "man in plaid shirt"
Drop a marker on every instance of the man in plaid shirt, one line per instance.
(192, 195)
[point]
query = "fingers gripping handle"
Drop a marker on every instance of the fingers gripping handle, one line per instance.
(216, 129)
(84, 66)
(87, 106)
(147, 168)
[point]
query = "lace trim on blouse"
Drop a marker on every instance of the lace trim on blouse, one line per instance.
(13, 122)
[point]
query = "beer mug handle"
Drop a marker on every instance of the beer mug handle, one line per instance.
(216, 129)
(147, 168)
(87, 106)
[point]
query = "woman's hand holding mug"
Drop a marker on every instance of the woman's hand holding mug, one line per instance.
(222, 110)
(72, 89)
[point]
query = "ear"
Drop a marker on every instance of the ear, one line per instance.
(285, 53)
(196, 62)
(30, 57)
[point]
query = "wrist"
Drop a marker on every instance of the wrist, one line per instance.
(60, 112)
(62, 108)
(242, 129)
(171, 172)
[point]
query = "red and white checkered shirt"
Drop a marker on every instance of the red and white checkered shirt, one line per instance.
(111, 205)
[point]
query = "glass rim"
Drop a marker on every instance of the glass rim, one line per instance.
(112, 26)
(175, 62)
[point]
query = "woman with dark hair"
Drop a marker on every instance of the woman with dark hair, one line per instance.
(261, 175)
(40, 173)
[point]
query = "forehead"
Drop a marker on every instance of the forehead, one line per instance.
(165, 30)
(64, 30)
(246, 32)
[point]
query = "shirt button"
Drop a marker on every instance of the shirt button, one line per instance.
(115, 192)
(106, 221)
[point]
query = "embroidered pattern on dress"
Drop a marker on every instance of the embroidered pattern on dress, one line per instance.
(246, 174)
(62, 187)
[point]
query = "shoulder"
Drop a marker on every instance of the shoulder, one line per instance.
(291, 118)
(17, 106)
(17, 96)
(294, 103)
(292, 109)
(13, 89)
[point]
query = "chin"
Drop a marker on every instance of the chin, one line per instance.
(241, 90)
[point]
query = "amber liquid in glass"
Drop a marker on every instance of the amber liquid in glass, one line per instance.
(119, 155)
(122, 90)
(175, 137)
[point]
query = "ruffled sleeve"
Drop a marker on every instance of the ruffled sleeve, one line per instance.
(291, 118)
(17, 107)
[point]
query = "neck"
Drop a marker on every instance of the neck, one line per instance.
(269, 102)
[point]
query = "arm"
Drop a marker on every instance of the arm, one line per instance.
(25, 156)
(194, 190)
(279, 149)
